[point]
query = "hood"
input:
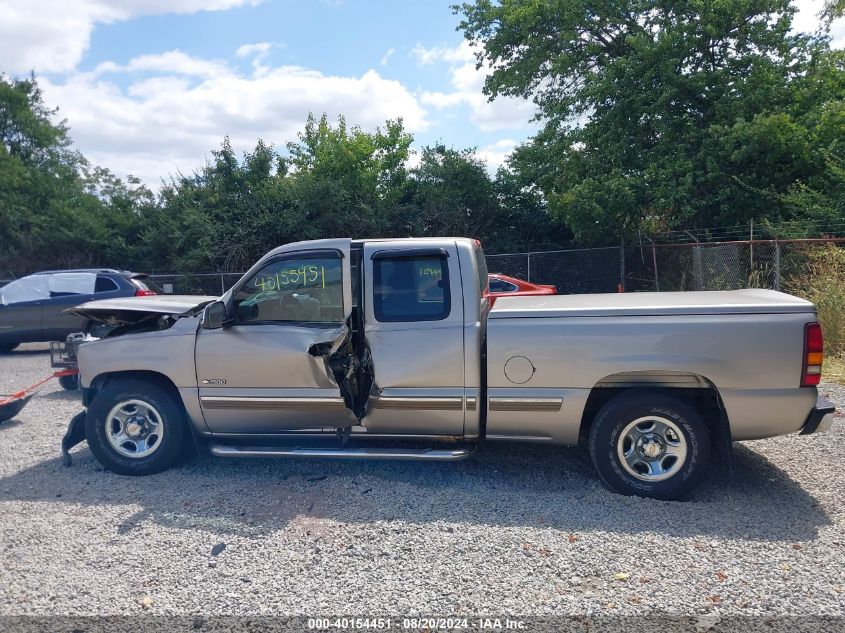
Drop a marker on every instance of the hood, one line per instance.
(128, 310)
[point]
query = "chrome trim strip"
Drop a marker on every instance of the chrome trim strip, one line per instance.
(272, 404)
(471, 400)
(349, 453)
(517, 438)
(357, 433)
(422, 403)
(526, 404)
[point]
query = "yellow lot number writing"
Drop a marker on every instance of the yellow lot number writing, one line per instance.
(308, 276)
(434, 272)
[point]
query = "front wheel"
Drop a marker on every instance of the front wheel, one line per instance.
(135, 427)
(5, 348)
(650, 444)
(69, 383)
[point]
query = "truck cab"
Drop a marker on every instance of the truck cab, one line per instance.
(384, 335)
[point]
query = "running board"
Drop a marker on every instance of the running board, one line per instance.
(413, 454)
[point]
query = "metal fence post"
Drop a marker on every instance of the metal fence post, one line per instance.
(751, 248)
(622, 266)
(656, 277)
(528, 257)
(777, 265)
(697, 268)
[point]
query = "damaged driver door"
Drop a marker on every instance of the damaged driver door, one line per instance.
(269, 369)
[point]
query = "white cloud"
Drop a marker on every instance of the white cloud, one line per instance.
(496, 153)
(259, 49)
(463, 52)
(807, 21)
(258, 52)
(172, 62)
(386, 57)
(504, 113)
(52, 35)
(158, 125)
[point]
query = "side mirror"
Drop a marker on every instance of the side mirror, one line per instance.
(214, 316)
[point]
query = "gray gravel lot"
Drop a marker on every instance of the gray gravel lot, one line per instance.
(519, 530)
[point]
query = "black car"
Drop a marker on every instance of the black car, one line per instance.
(32, 308)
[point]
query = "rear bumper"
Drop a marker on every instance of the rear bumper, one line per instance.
(820, 418)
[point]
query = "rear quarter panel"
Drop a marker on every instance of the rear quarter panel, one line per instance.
(754, 360)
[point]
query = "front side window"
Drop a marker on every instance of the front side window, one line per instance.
(293, 289)
(411, 288)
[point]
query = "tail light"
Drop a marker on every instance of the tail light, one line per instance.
(141, 289)
(811, 370)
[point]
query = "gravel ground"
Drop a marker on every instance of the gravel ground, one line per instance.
(517, 530)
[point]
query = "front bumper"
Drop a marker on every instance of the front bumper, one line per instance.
(820, 418)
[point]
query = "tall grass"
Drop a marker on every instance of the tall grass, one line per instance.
(821, 279)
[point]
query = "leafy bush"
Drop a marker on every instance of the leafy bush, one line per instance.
(822, 280)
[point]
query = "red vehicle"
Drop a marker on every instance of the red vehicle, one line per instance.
(504, 286)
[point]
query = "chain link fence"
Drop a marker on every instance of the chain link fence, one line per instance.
(718, 265)
(577, 271)
(641, 268)
(211, 284)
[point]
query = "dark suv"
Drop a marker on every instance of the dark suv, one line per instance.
(32, 308)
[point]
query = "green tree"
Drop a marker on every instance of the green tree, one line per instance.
(350, 182)
(657, 114)
(49, 214)
(454, 194)
(56, 209)
(226, 214)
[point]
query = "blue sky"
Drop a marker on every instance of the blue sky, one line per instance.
(149, 87)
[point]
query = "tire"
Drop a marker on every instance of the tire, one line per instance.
(5, 348)
(69, 383)
(146, 405)
(650, 444)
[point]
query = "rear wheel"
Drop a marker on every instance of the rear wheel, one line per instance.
(5, 348)
(135, 427)
(650, 444)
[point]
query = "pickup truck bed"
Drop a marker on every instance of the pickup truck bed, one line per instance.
(357, 341)
(746, 344)
(748, 301)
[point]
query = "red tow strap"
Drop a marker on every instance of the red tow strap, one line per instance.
(22, 393)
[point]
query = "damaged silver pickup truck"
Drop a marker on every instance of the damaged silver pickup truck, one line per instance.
(390, 349)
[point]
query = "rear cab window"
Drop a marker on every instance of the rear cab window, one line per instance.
(411, 288)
